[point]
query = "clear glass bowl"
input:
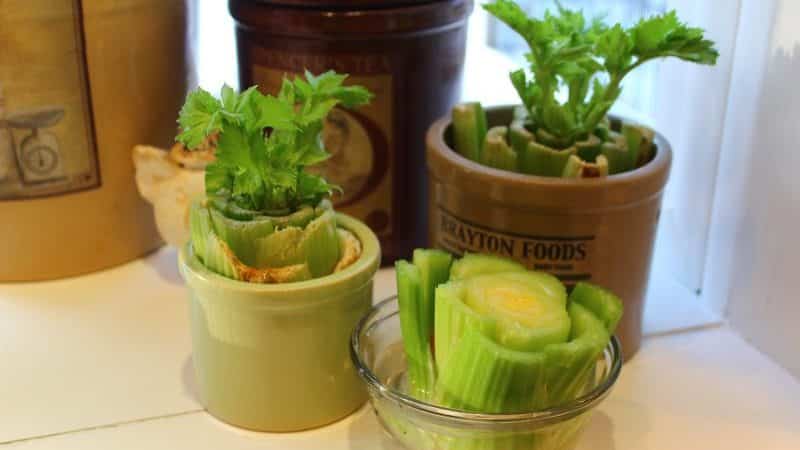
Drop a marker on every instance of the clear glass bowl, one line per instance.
(377, 352)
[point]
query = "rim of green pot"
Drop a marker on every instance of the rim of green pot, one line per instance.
(525, 191)
(287, 295)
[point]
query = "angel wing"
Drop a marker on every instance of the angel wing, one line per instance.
(170, 188)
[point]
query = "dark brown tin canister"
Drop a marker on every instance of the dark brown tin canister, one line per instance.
(599, 230)
(409, 53)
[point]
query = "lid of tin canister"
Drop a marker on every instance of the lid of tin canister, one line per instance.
(347, 4)
(355, 18)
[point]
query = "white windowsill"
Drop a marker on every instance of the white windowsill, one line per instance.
(103, 361)
(671, 308)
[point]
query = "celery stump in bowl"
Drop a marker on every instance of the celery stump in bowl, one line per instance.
(493, 356)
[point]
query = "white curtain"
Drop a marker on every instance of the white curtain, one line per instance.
(754, 251)
(689, 109)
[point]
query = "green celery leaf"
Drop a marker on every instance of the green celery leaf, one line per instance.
(199, 117)
(229, 98)
(318, 110)
(258, 153)
(233, 148)
(283, 177)
(234, 154)
(218, 178)
(325, 82)
(558, 118)
(512, 15)
(648, 34)
(352, 96)
(302, 89)
(520, 82)
(265, 142)
(615, 47)
(244, 106)
(272, 113)
(314, 154)
(286, 94)
(249, 188)
(567, 22)
(603, 98)
(664, 35)
(311, 188)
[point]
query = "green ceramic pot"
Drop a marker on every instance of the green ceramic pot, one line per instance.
(275, 357)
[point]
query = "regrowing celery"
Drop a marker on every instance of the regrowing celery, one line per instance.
(590, 60)
(577, 68)
(265, 218)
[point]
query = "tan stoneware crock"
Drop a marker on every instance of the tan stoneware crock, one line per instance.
(81, 82)
(598, 230)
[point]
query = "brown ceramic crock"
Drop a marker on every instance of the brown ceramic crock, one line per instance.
(409, 53)
(597, 230)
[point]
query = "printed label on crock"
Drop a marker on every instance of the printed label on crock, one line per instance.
(360, 141)
(47, 144)
(563, 256)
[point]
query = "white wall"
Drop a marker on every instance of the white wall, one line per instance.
(754, 252)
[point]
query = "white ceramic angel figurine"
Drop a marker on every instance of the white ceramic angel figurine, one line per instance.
(170, 181)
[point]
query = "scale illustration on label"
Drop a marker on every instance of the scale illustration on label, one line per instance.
(47, 143)
(562, 256)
